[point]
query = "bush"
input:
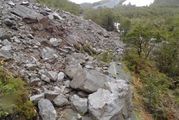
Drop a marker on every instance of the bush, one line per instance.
(14, 97)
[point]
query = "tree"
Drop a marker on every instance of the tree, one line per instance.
(143, 39)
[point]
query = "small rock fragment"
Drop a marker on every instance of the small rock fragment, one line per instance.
(60, 101)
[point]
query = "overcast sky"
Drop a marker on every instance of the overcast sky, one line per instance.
(134, 2)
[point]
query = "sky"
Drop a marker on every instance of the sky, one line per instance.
(133, 2)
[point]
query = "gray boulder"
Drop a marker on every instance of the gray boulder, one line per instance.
(80, 104)
(104, 105)
(47, 110)
(60, 101)
(89, 80)
(26, 13)
(111, 103)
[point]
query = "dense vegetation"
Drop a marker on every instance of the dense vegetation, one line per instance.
(152, 55)
(14, 102)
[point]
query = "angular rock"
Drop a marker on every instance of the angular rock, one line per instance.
(26, 13)
(53, 75)
(5, 52)
(71, 70)
(104, 105)
(11, 3)
(89, 80)
(55, 16)
(47, 110)
(60, 101)
(9, 22)
(45, 78)
(48, 53)
(36, 98)
(6, 42)
(55, 42)
(80, 104)
(50, 95)
(60, 76)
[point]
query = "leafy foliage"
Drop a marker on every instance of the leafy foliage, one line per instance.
(14, 97)
(152, 54)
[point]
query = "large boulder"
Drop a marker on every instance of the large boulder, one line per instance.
(89, 80)
(111, 103)
(26, 13)
(47, 110)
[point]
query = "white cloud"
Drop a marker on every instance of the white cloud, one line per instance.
(133, 2)
(84, 1)
(139, 2)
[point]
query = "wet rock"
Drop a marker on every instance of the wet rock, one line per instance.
(60, 101)
(80, 104)
(48, 53)
(89, 80)
(47, 110)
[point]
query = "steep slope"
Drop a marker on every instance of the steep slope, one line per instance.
(166, 2)
(55, 52)
(104, 3)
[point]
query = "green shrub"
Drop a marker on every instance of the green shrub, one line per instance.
(14, 97)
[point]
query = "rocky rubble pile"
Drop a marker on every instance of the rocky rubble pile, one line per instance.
(39, 44)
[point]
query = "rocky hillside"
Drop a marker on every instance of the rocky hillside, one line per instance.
(55, 52)
(103, 3)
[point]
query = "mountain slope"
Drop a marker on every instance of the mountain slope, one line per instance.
(166, 2)
(104, 3)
